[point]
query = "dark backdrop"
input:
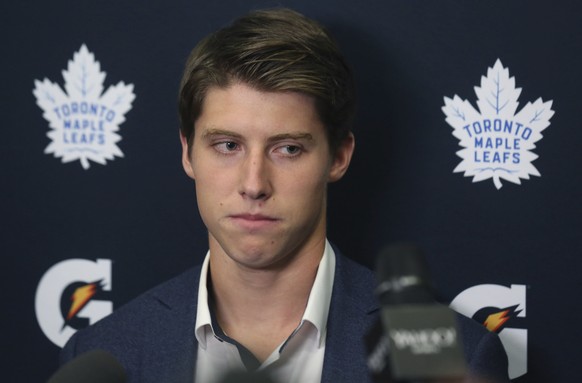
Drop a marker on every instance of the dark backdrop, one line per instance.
(139, 210)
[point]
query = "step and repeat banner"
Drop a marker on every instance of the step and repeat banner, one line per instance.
(468, 144)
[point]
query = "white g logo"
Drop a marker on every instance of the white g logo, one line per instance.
(514, 340)
(55, 281)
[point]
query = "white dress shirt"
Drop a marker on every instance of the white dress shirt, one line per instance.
(299, 359)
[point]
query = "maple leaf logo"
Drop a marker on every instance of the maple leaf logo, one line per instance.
(497, 141)
(84, 121)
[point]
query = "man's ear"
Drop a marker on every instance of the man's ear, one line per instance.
(341, 158)
(186, 160)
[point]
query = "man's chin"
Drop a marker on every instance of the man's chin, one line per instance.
(265, 256)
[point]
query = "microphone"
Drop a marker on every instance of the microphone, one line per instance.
(96, 366)
(416, 339)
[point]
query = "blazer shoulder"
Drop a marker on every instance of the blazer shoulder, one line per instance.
(484, 352)
(168, 305)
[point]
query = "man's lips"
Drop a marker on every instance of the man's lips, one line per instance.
(253, 217)
(253, 221)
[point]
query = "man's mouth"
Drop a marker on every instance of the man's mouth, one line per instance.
(253, 221)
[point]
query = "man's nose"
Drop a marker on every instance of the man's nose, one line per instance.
(255, 177)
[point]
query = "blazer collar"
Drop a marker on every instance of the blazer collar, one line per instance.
(353, 311)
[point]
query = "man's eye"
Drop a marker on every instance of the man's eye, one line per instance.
(292, 149)
(230, 145)
(227, 146)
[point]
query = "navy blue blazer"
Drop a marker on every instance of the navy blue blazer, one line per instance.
(153, 335)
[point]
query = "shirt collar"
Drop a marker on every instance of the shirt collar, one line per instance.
(203, 318)
(319, 300)
(316, 311)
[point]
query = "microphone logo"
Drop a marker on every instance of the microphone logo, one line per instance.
(424, 341)
(70, 296)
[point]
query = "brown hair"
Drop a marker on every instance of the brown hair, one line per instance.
(275, 50)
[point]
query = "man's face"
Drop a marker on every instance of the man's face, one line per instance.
(261, 162)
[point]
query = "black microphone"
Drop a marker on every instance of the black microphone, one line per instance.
(416, 339)
(96, 366)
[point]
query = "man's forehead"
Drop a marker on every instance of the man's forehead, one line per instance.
(212, 131)
(266, 94)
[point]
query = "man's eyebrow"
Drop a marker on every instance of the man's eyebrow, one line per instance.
(292, 136)
(220, 132)
(278, 137)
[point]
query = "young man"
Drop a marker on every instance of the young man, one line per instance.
(266, 106)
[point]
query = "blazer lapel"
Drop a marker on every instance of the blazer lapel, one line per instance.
(173, 353)
(353, 311)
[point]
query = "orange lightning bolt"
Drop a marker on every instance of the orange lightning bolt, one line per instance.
(80, 297)
(496, 320)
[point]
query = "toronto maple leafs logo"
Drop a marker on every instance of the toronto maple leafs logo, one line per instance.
(497, 142)
(84, 121)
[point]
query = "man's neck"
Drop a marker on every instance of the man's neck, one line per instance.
(260, 308)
